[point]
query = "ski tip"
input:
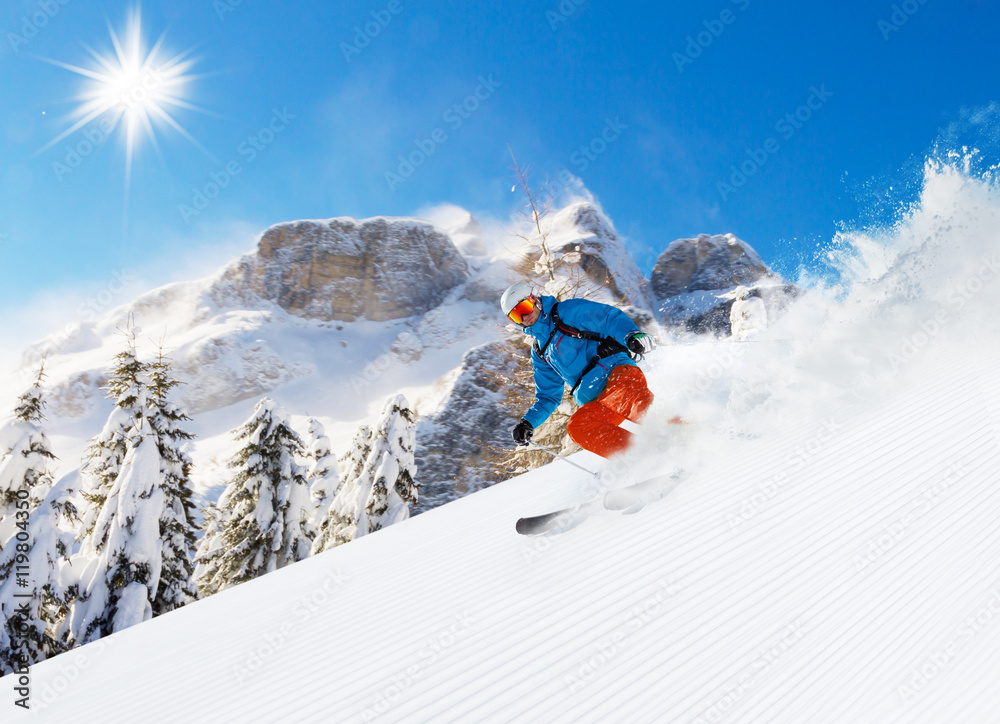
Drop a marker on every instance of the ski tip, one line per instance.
(523, 526)
(538, 524)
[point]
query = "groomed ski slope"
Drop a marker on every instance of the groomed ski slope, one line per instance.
(671, 614)
(831, 555)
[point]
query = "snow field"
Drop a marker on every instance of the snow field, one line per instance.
(673, 614)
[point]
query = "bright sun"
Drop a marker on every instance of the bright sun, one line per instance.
(135, 89)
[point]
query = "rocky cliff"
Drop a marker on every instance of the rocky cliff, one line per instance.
(454, 443)
(691, 278)
(582, 237)
(345, 269)
(706, 262)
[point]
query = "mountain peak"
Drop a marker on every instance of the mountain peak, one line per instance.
(707, 262)
(583, 232)
(342, 269)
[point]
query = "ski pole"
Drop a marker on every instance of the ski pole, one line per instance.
(565, 459)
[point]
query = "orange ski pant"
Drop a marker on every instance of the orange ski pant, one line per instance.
(594, 426)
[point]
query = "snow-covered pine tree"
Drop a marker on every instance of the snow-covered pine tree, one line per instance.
(380, 491)
(392, 466)
(24, 459)
(33, 632)
(178, 529)
(127, 386)
(35, 550)
(323, 474)
(212, 542)
(341, 519)
(262, 520)
(120, 581)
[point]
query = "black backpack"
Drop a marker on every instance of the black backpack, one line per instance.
(606, 348)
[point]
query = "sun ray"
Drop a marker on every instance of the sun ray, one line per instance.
(72, 129)
(78, 70)
(129, 147)
(181, 130)
(154, 51)
(119, 51)
(104, 62)
(191, 107)
(148, 126)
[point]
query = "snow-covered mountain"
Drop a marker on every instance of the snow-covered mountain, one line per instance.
(831, 552)
(341, 269)
(692, 277)
(707, 262)
(332, 317)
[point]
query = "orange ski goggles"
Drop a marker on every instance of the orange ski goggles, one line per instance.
(522, 309)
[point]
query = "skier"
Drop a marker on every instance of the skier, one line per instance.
(591, 347)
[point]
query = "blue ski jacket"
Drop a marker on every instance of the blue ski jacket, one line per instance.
(566, 357)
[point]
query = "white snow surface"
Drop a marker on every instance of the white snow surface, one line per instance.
(830, 554)
(662, 616)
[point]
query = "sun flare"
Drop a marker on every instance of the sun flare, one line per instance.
(133, 89)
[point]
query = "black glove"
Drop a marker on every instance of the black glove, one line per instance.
(522, 432)
(639, 343)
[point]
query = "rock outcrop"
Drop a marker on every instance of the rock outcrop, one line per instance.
(711, 313)
(454, 444)
(583, 237)
(693, 279)
(708, 262)
(344, 269)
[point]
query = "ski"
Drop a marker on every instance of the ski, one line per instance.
(629, 499)
(558, 520)
(633, 498)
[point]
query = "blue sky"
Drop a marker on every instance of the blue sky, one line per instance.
(667, 100)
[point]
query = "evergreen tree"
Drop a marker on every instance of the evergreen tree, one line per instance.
(178, 529)
(341, 519)
(138, 535)
(121, 580)
(262, 520)
(379, 491)
(128, 387)
(24, 447)
(322, 474)
(35, 550)
(212, 543)
(31, 627)
(392, 467)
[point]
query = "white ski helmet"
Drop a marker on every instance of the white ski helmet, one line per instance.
(514, 294)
